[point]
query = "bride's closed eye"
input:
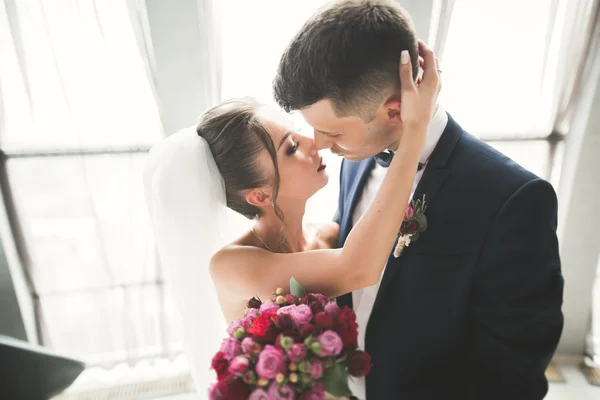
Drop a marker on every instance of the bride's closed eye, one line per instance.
(292, 149)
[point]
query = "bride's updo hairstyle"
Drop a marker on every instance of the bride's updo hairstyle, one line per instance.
(237, 138)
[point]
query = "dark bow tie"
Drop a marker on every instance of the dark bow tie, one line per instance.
(385, 158)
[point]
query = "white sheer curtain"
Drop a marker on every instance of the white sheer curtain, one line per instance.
(440, 23)
(497, 64)
(574, 44)
(79, 112)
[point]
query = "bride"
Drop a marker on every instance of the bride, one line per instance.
(246, 157)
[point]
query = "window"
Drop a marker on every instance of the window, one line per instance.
(79, 115)
(493, 75)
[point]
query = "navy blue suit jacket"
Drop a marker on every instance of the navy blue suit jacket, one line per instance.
(472, 310)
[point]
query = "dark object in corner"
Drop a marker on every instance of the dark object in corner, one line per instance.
(29, 371)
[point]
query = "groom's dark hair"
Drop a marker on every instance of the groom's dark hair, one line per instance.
(347, 52)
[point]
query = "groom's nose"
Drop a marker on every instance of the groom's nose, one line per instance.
(322, 141)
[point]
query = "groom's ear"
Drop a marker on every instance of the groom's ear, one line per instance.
(259, 197)
(389, 111)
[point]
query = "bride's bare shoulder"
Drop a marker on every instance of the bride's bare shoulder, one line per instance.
(235, 253)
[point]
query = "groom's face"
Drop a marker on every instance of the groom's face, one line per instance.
(349, 136)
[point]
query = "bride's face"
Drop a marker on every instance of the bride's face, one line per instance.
(302, 171)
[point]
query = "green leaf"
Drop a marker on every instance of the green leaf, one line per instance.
(415, 237)
(335, 380)
(296, 289)
(422, 220)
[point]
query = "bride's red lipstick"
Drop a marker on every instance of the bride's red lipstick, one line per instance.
(322, 165)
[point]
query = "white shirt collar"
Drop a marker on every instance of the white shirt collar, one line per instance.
(436, 129)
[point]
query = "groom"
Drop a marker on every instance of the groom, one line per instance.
(472, 310)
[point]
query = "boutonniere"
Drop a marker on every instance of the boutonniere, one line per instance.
(413, 224)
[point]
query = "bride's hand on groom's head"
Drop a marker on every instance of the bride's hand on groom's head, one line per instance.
(418, 101)
(420, 74)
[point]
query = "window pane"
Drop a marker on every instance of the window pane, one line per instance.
(103, 327)
(493, 66)
(84, 220)
(85, 325)
(531, 155)
(174, 326)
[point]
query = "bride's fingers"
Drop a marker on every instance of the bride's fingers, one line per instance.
(429, 63)
(406, 75)
(430, 70)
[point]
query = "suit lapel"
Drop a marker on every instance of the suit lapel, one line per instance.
(362, 173)
(431, 182)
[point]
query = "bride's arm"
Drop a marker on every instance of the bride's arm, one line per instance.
(360, 262)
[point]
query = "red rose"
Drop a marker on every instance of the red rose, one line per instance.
(306, 330)
(359, 364)
(315, 301)
(284, 321)
(254, 303)
(263, 328)
(234, 389)
(294, 334)
(324, 320)
(411, 228)
(347, 328)
(220, 365)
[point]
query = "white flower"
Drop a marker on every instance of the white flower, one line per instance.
(403, 241)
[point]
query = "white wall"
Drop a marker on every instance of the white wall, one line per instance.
(179, 46)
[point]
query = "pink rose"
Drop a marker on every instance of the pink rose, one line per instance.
(259, 394)
(251, 316)
(271, 361)
(297, 352)
(214, 393)
(268, 306)
(250, 347)
(230, 348)
(316, 369)
(301, 314)
(239, 365)
(331, 344)
(332, 308)
(285, 310)
(285, 392)
(234, 326)
(316, 393)
(291, 299)
(408, 214)
(321, 298)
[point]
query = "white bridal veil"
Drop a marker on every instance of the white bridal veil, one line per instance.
(185, 195)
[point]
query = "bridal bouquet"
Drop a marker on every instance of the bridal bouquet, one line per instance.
(293, 346)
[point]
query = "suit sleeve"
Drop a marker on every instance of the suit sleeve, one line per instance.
(517, 298)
